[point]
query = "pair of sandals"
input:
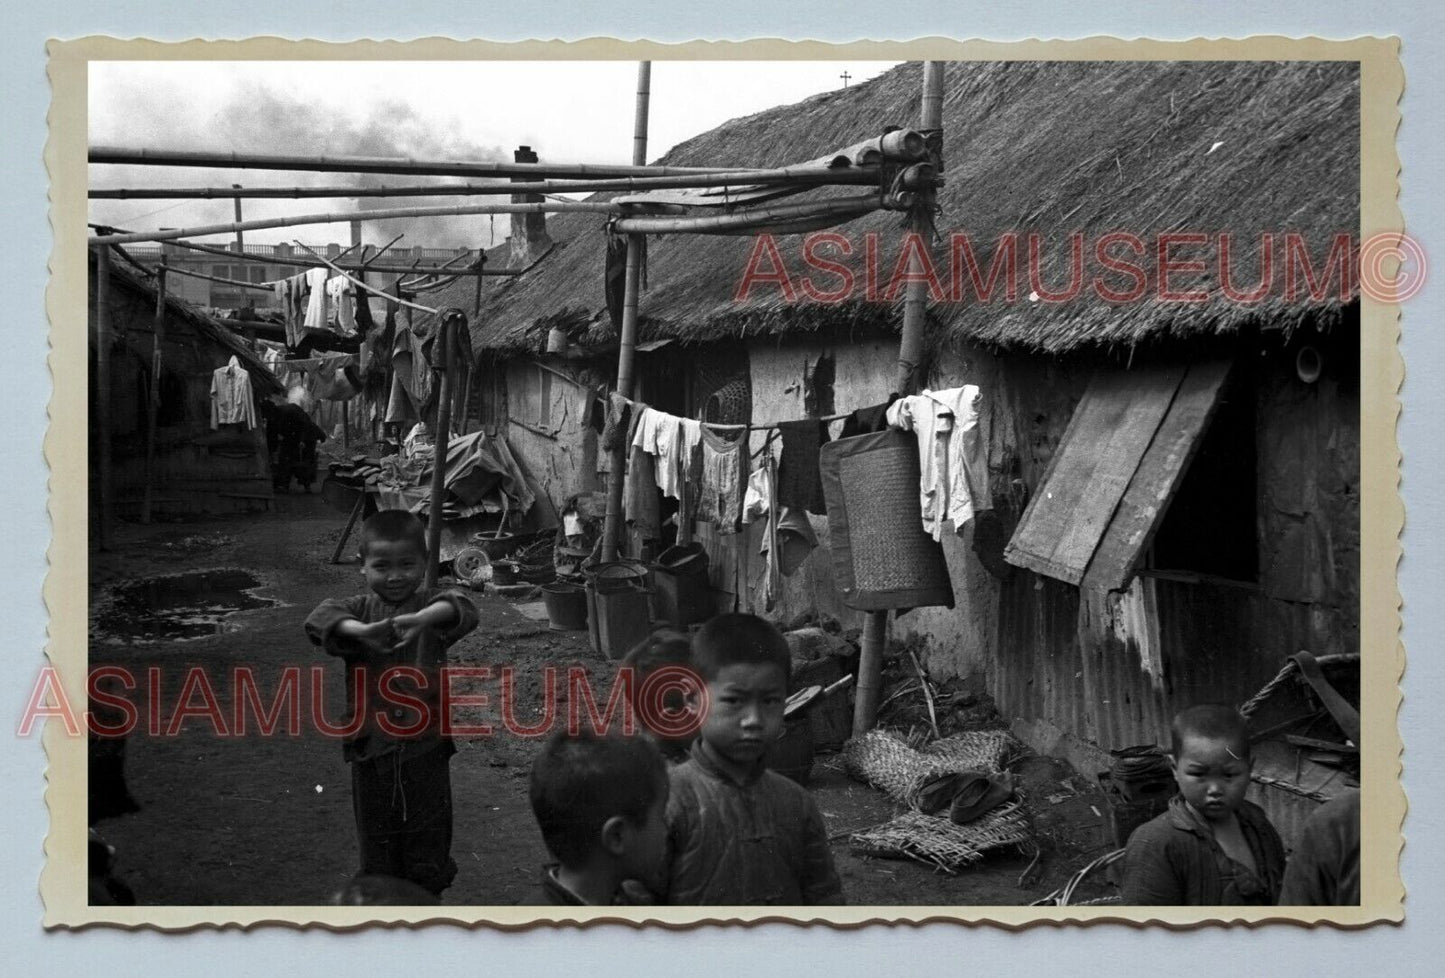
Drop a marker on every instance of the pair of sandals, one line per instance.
(966, 795)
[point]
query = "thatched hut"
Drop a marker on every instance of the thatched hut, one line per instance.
(1207, 445)
(195, 469)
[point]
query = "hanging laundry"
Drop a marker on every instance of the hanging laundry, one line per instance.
(290, 295)
(865, 421)
(231, 401)
(316, 304)
(723, 481)
(952, 454)
(640, 504)
(800, 485)
(365, 324)
(341, 300)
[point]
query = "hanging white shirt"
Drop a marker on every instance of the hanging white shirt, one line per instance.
(342, 295)
(316, 306)
(952, 454)
(231, 396)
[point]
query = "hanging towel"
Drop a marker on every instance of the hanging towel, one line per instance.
(341, 298)
(640, 502)
(316, 305)
(952, 454)
(800, 485)
(290, 294)
(231, 401)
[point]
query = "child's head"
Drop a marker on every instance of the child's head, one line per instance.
(1211, 759)
(747, 666)
(663, 649)
(393, 554)
(599, 801)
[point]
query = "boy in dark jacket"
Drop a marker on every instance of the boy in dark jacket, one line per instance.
(394, 641)
(737, 832)
(1211, 848)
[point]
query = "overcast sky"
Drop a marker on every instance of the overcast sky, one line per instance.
(567, 111)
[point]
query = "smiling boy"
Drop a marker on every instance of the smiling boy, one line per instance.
(1212, 847)
(395, 637)
(738, 833)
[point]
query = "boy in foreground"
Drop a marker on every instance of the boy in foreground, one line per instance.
(599, 802)
(738, 833)
(1211, 847)
(400, 763)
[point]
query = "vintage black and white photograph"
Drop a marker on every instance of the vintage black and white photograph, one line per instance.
(842, 486)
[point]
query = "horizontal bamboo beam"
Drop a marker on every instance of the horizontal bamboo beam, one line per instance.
(849, 176)
(370, 265)
(395, 164)
(257, 286)
(339, 217)
(842, 209)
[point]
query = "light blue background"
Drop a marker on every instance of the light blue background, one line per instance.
(778, 949)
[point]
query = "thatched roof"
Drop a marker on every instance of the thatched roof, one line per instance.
(123, 280)
(1048, 148)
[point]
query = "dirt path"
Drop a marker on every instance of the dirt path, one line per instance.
(267, 820)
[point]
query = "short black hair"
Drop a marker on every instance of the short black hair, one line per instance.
(664, 647)
(737, 639)
(393, 526)
(581, 780)
(1211, 721)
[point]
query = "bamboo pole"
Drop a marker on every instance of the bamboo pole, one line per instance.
(189, 273)
(240, 236)
(436, 168)
(102, 393)
(627, 342)
(375, 291)
(441, 441)
(910, 354)
(838, 210)
(812, 175)
(158, 335)
(369, 265)
(338, 217)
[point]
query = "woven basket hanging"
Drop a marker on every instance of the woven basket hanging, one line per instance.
(882, 557)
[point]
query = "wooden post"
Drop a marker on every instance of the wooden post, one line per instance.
(102, 393)
(346, 427)
(157, 338)
(240, 236)
(443, 346)
(910, 355)
(627, 343)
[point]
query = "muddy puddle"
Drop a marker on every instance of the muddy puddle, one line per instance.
(176, 606)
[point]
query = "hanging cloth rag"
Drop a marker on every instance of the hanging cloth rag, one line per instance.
(290, 295)
(341, 305)
(952, 454)
(800, 485)
(723, 481)
(231, 401)
(865, 421)
(316, 304)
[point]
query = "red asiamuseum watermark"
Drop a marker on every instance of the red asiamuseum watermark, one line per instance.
(670, 702)
(1118, 267)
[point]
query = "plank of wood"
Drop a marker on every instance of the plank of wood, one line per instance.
(1159, 475)
(1107, 437)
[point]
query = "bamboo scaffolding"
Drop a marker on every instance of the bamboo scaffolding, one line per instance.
(257, 286)
(341, 217)
(439, 168)
(819, 176)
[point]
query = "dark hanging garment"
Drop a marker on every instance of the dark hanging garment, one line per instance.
(799, 483)
(615, 278)
(865, 421)
(365, 325)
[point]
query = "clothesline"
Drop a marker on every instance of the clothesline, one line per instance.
(350, 359)
(772, 426)
(362, 285)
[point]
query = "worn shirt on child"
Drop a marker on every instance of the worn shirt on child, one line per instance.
(428, 653)
(1174, 861)
(760, 840)
(1324, 869)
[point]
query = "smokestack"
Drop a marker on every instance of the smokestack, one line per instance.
(529, 231)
